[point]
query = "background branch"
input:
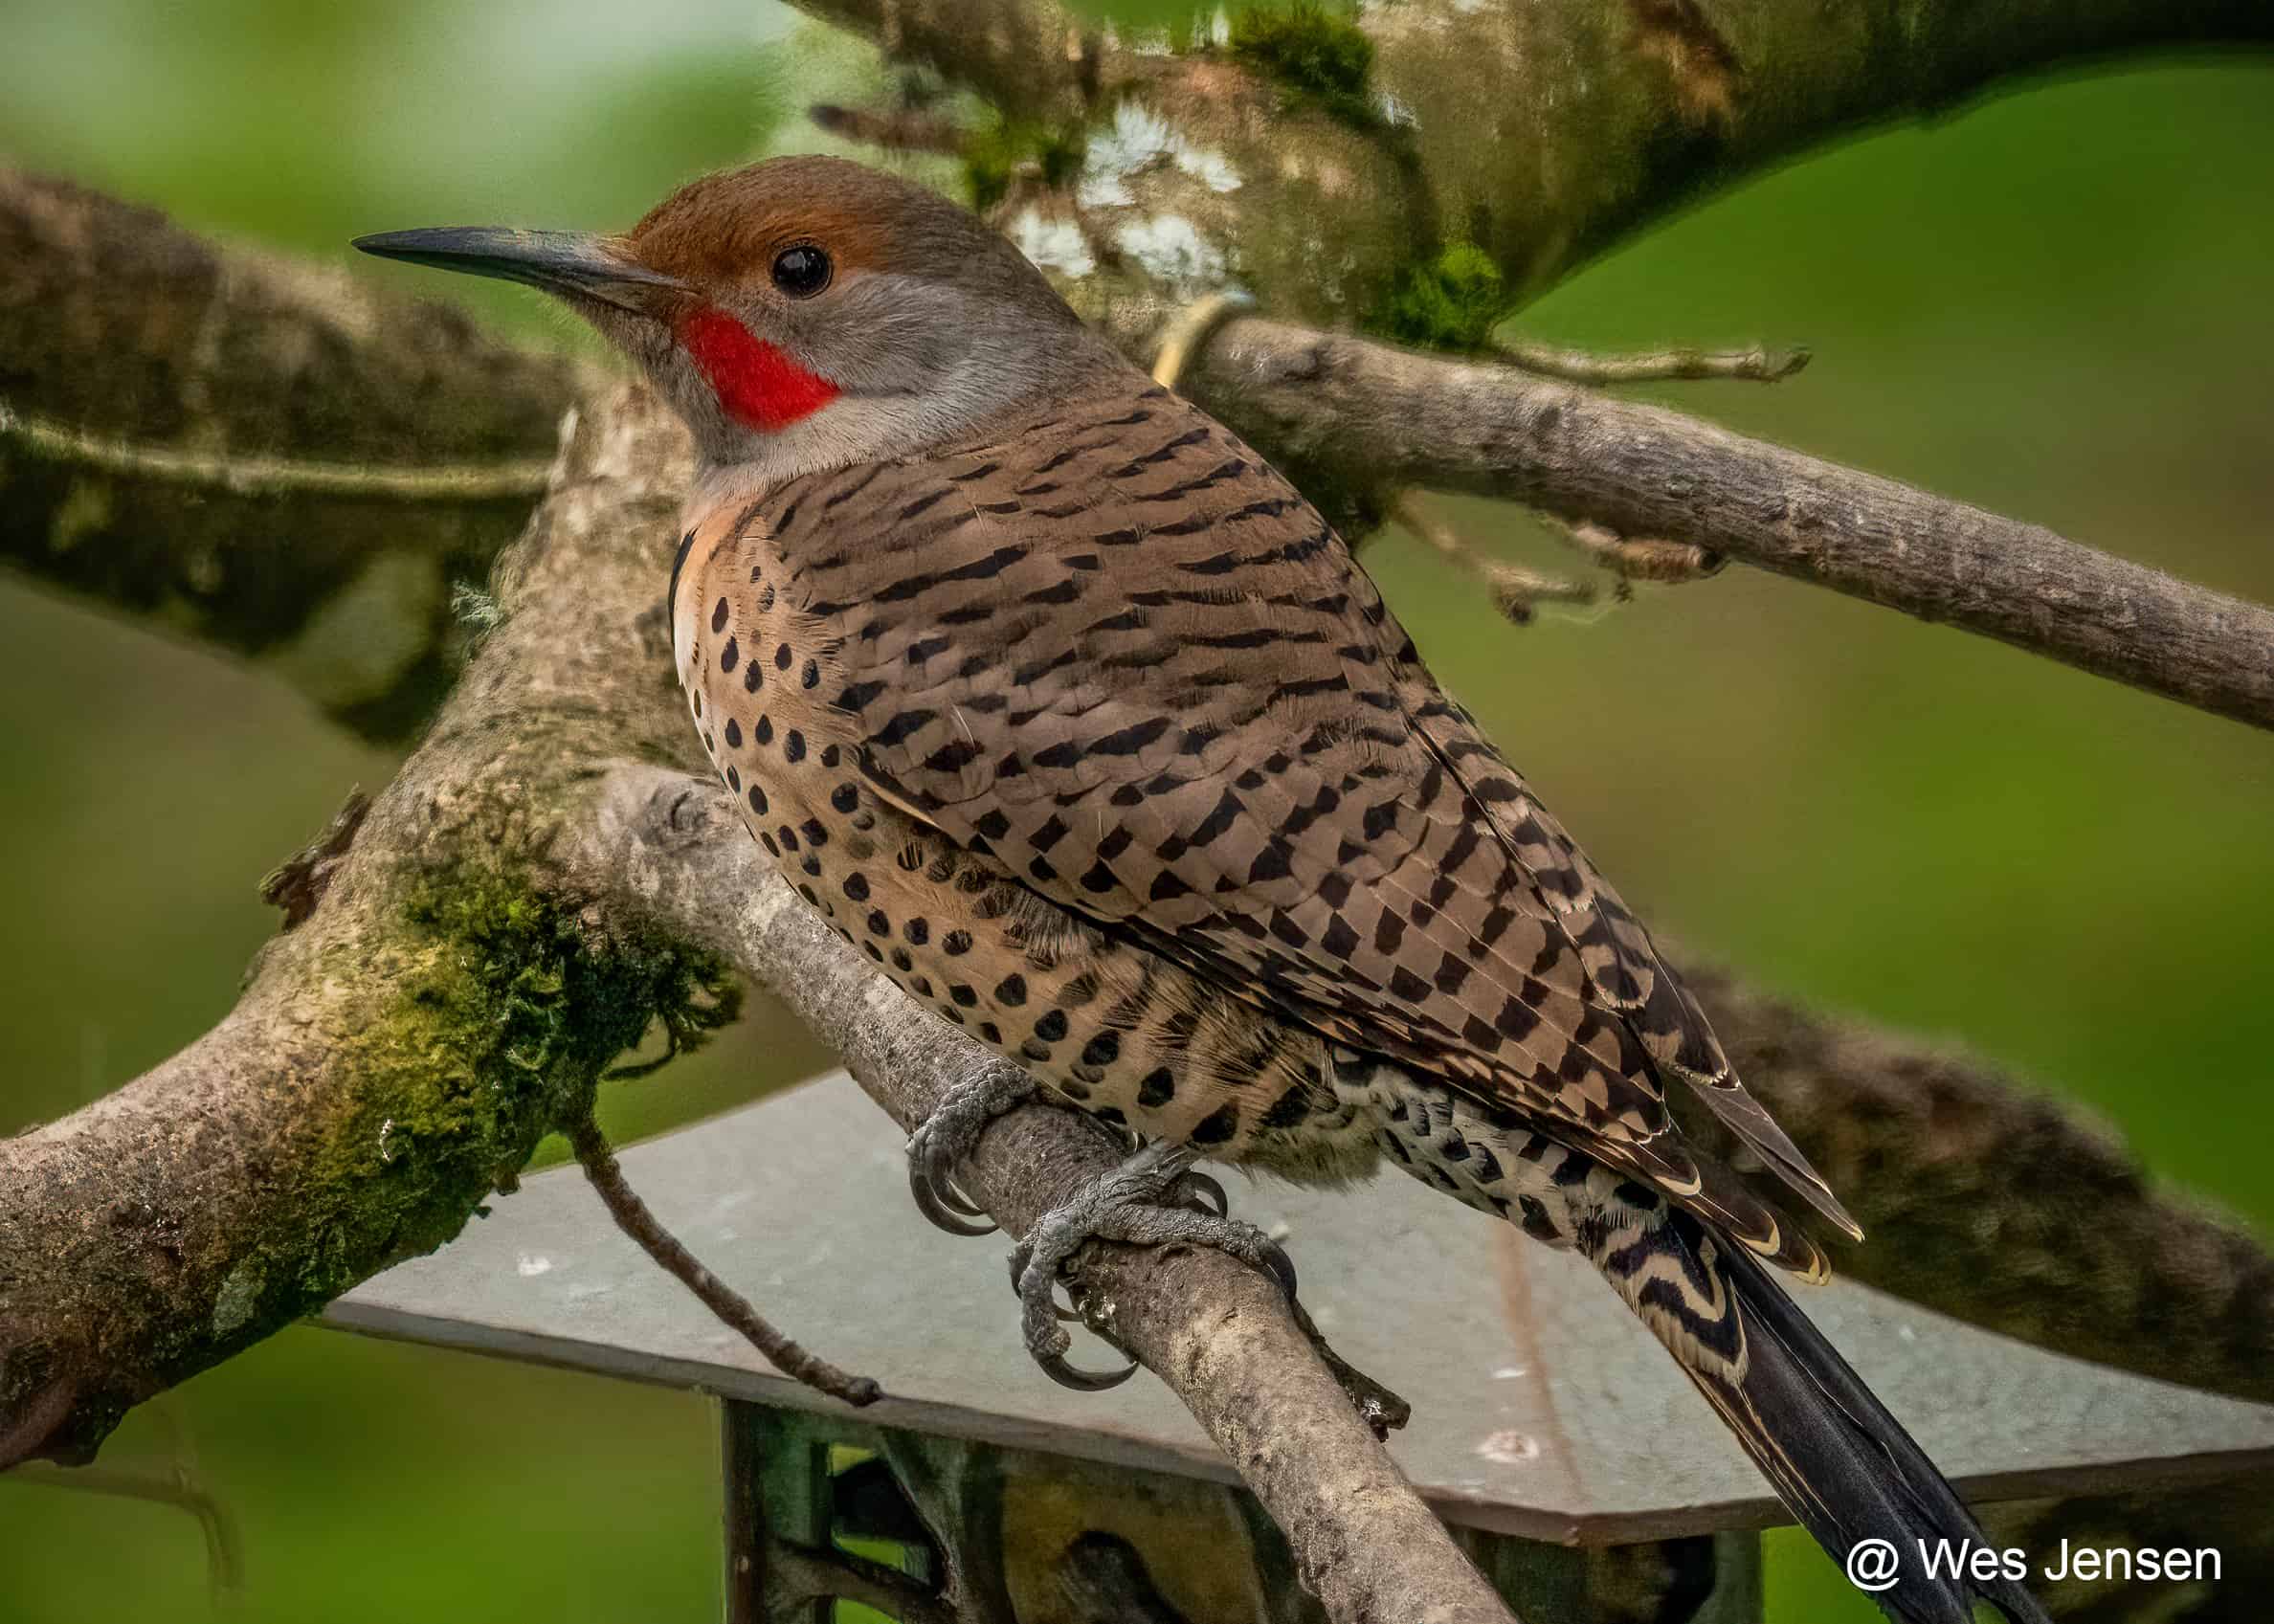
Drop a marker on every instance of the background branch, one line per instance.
(1643, 471)
(166, 398)
(1603, 117)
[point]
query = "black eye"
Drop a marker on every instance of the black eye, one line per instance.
(801, 272)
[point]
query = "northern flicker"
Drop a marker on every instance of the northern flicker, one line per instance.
(1068, 711)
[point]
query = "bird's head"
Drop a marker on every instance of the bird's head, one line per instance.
(803, 312)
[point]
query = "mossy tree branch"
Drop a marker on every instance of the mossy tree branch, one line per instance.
(446, 998)
(1541, 131)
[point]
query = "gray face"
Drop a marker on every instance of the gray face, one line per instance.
(924, 323)
(915, 363)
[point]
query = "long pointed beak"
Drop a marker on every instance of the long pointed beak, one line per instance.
(575, 262)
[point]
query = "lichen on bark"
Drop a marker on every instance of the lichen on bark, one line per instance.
(506, 1005)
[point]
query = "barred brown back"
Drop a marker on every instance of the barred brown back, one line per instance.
(1114, 659)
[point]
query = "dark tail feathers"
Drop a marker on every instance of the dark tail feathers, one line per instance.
(1844, 1466)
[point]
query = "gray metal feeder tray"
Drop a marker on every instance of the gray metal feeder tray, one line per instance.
(1548, 1427)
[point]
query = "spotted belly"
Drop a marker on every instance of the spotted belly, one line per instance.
(1110, 1025)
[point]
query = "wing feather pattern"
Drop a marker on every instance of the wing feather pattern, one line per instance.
(1232, 750)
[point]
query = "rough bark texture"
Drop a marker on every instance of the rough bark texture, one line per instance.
(1541, 131)
(118, 324)
(395, 1057)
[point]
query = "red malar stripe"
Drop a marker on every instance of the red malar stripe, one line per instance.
(758, 385)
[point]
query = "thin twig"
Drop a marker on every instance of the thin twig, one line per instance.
(632, 1216)
(1515, 590)
(1638, 470)
(799, 1573)
(180, 1487)
(1758, 365)
(272, 476)
(894, 129)
(1640, 558)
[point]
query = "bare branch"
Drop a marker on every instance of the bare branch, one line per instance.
(1757, 365)
(1641, 471)
(304, 408)
(276, 475)
(632, 1216)
(180, 1488)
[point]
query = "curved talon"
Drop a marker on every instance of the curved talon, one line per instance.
(1066, 1315)
(1038, 1291)
(963, 1203)
(940, 1144)
(952, 1197)
(942, 1213)
(1280, 1265)
(1211, 1193)
(1056, 1367)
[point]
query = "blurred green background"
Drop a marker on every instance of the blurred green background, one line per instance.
(2055, 305)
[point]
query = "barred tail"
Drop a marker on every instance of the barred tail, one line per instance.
(1840, 1464)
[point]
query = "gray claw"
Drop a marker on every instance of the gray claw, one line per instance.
(943, 1141)
(1282, 1266)
(1210, 1191)
(1019, 1257)
(940, 1207)
(1054, 1367)
(1046, 1338)
(1151, 1199)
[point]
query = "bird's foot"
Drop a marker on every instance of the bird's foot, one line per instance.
(1153, 1199)
(945, 1138)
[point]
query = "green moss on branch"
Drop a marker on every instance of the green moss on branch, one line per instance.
(502, 1007)
(1011, 150)
(1450, 301)
(1313, 52)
